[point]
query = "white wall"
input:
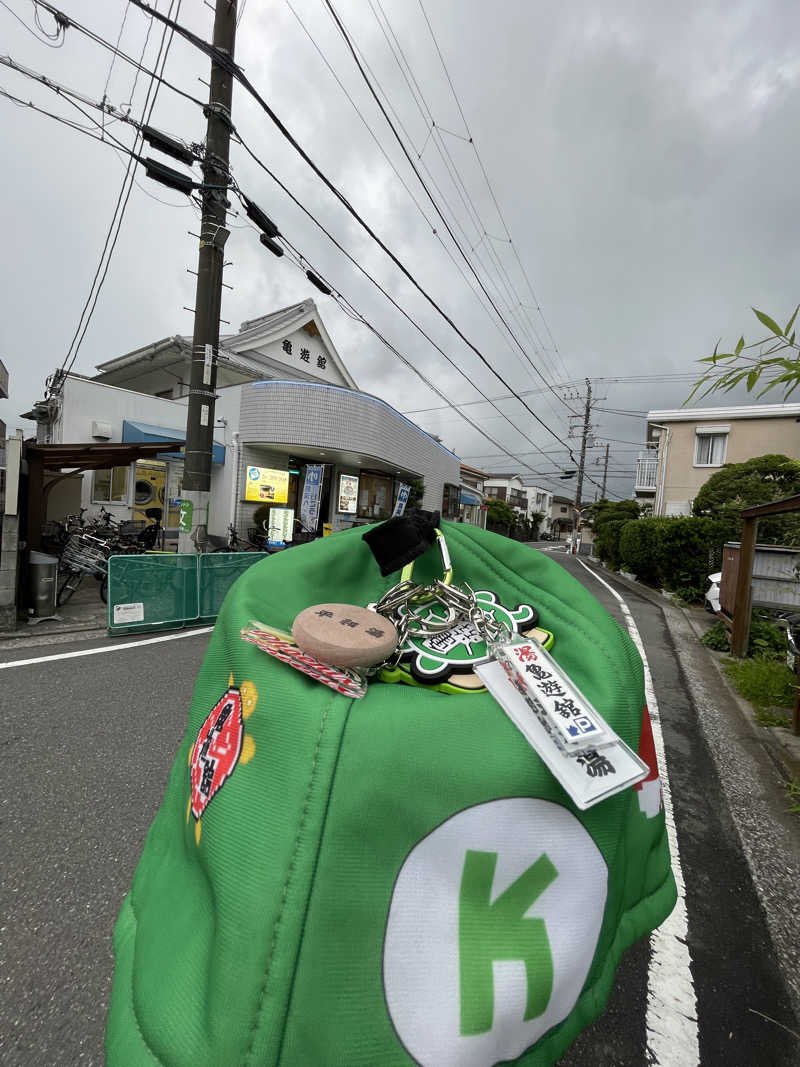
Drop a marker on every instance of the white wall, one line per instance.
(85, 401)
(293, 361)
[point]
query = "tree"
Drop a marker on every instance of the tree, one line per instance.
(415, 493)
(603, 511)
(535, 521)
(499, 513)
(756, 481)
(777, 362)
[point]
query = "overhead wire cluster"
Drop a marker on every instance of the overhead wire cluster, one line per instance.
(157, 78)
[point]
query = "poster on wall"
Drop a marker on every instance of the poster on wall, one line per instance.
(312, 490)
(281, 525)
(348, 494)
(263, 484)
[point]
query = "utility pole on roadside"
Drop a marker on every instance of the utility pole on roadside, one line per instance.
(208, 298)
(605, 476)
(586, 427)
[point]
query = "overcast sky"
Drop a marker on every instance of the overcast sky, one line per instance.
(643, 156)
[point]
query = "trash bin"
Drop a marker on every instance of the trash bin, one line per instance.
(42, 584)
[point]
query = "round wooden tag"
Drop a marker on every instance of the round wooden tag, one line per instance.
(344, 635)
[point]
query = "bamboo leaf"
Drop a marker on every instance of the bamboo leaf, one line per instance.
(790, 323)
(739, 345)
(771, 324)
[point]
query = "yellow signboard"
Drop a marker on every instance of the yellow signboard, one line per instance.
(266, 485)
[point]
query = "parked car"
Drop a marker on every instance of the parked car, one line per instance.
(712, 593)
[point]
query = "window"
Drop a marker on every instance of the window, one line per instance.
(451, 501)
(111, 486)
(563, 509)
(710, 449)
(374, 496)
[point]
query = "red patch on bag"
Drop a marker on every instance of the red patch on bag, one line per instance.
(216, 750)
(649, 789)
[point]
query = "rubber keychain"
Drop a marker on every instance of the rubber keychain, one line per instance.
(446, 629)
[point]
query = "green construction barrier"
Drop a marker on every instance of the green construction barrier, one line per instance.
(165, 591)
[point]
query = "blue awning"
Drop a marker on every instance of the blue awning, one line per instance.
(143, 431)
(469, 499)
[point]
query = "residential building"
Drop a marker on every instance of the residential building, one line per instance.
(473, 496)
(562, 517)
(686, 446)
(285, 401)
(508, 487)
(541, 501)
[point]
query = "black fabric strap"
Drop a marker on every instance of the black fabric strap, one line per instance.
(403, 538)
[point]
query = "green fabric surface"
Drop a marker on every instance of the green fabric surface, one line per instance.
(263, 942)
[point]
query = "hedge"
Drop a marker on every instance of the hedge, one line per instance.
(606, 541)
(676, 553)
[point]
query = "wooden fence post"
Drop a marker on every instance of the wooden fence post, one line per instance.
(744, 583)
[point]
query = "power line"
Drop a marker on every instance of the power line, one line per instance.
(435, 233)
(489, 186)
(92, 36)
(55, 40)
(349, 309)
(415, 169)
(115, 226)
(228, 64)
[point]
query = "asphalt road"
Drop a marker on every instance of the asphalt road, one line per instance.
(87, 746)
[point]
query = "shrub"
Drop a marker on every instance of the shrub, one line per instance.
(764, 682)
(606, 539)
(637, 549)
(766, 639)
(676, 553)
(716, 637)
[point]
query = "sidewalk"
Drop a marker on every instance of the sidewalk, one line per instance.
(84, 613)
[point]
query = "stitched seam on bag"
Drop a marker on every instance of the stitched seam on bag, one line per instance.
(312, 882)
(285, 891)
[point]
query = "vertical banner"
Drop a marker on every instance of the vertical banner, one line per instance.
(402, 499)
(312, 491)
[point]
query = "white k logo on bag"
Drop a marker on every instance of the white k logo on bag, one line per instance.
(492, 928)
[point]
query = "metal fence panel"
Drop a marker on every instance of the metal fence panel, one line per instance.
(151, 591)
(161, 591)
(216, 573)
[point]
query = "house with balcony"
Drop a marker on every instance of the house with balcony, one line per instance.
(686, 446)
(508, 487)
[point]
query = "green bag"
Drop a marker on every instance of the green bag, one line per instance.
(391, 880)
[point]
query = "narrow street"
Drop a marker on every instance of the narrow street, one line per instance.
(88, 747)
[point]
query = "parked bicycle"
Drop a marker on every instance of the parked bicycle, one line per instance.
(235, 543)
(88, 552)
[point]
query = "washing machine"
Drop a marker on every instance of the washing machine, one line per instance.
(149, 488)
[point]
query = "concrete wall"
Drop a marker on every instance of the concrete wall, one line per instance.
(746, 438)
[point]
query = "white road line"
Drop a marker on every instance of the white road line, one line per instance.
(106, 648)
(671, 1003)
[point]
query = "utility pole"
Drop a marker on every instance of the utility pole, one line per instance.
(605, 476)
(586, 427)
(208, 298)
